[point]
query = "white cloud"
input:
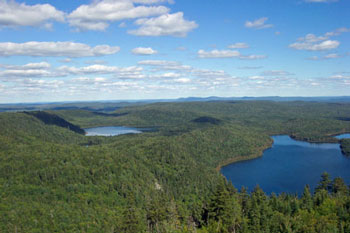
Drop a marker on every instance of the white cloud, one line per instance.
(218, 53)
(144, 51)
(164, 25)
(122, 25)
(66, 60)
(238, 46)
(276, 73)
(97, 69)
(258, 24)
(310, 46)
(227, 54)
(99, 14)
(131, 72)
(256, 77)
(25, 73)
(210, 74)
(342, 79)
(157, 63)
(182, 80)
(165, 65)
(327, 56)
(13, 14)
(40, 69)
(169, 75)
(29, 66)
(252, 57)
(312, 42)
(55, 49)
(331, 56)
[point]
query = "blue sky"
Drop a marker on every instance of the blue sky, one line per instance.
(153, 49)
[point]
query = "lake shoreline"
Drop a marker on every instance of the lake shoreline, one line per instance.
(268, 146)
(244, 158)
(287, 165)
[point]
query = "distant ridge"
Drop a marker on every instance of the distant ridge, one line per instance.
(112, 105)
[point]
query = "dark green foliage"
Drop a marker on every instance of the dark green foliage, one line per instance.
(51, 119)
(206, 119)
(345, 146)
(325, 183)
(163, 181)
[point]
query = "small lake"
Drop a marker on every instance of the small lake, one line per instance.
(289, 165)
(342, 136)
(113, 131)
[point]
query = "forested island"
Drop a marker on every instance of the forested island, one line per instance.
(55, 179)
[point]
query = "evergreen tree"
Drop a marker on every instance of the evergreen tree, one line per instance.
(306, 199)
(325, 183)
(339, 187)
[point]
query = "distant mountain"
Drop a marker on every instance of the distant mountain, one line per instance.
(112, 105)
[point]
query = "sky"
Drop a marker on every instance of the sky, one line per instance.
(85, 50)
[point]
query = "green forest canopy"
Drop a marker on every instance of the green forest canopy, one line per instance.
(53, 179)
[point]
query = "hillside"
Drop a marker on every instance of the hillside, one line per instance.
(55, 180)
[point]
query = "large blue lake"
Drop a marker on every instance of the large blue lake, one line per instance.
(289, 165)
(112, 131)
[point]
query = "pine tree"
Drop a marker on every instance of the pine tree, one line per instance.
(325, 183)
(339, 186)
(306, 199)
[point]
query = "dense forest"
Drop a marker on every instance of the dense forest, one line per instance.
(54, 179)
(345, 146)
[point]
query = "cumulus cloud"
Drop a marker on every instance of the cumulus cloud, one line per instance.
(13, 14)
(25, 73)
(227, 54)
(238, 46)
(99, 14)
(29, 66)
(164, 25)
(41, 69)
(132, 72)
(144, 51)
(55, 49)
(312, 42)
(311, 46)
(258, 24)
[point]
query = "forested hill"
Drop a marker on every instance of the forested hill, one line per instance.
(52, 119)
(55, 180)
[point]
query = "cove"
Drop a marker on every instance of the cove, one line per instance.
(112, 131)
(288, 166)
(342, 136)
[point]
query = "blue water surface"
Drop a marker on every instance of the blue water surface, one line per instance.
(343, 136)
(112, 131)
(288, 166)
